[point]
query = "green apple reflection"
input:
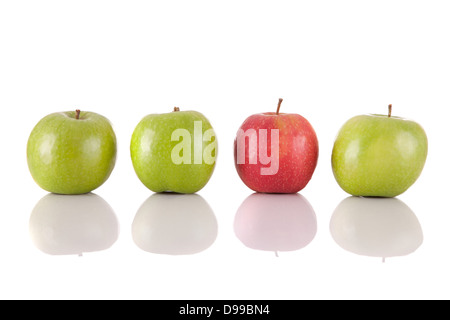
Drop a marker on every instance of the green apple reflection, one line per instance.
(174, 224)
(73, 224)
(376, 227)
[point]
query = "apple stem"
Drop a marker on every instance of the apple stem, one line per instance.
(176, 109)
(390, 110)
(384, 260)
(279, 105)
(276, 254)
(77, 114)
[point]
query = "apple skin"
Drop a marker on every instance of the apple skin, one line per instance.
(174, 224)
(297, 157)
(275, 222)
(378, 156)
(73, 224)
(151, 153)
(71, 156)
(374, 227)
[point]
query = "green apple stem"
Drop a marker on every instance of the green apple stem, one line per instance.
(77, 114)
(176, 109)
(279, 105)
(390, 110)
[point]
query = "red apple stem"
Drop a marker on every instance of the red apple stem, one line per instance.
(390, 110)
(279, 105)
(176, 109)
(77, 114)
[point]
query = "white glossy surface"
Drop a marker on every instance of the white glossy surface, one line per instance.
(328, 60)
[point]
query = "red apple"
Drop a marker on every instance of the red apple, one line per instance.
(276, 152)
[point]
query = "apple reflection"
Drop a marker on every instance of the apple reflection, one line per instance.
(174, 224)
(275, 222)
(73, 224)
(376, 227)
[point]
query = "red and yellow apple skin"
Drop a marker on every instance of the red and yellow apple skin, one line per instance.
(297, 155)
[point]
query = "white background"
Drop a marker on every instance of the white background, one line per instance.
(328, 60)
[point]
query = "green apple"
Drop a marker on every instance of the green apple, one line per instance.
(379, 155)
(71, 152)
(174, 152)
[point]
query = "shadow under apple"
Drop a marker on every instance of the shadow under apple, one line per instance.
(73, 224)
(376, 227)
(275, 222)
(174, 224)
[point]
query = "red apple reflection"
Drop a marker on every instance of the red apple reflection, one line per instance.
(376, 227)
(275, 222)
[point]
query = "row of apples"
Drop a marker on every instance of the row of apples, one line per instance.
(374, 155)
